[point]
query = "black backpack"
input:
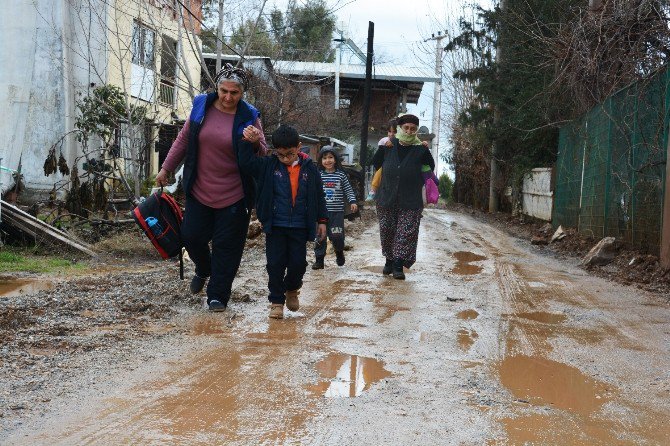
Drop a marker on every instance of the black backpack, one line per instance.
(160, 218)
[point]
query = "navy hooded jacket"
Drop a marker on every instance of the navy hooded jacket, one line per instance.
(264, 169)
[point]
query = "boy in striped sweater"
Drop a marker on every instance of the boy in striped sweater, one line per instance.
(335, 185)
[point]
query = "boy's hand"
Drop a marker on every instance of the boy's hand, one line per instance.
(321, 232)
(354, 207)
(388, 143)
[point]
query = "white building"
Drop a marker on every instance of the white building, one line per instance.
(55, 52)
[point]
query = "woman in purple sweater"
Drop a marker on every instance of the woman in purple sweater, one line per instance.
(219, 198)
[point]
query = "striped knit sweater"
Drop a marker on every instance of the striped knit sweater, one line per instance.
(336, 185)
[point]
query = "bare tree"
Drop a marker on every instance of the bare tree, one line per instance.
(133, 45)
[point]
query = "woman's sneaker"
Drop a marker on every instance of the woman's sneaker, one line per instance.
(216, 305)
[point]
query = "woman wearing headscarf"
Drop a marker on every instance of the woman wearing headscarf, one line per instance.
(219, 198)
(399, 199)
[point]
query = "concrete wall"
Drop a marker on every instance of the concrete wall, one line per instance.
(40, 77)
(537, 194)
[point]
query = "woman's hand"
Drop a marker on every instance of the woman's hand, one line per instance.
(161, 178)
(424, 143)
(354, 207)
(251, 134)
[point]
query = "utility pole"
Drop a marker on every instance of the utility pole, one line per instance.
(367, 93)
(494, 202)
(352, 46)
(437, 94)
(338, 56)
(219, 37)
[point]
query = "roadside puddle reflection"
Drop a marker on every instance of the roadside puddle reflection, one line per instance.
(466, 338)
(347, 376)
(541, 381)
(463, 266)
(10, 286)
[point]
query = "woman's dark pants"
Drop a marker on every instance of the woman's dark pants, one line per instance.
(226, 228)
(286, 255)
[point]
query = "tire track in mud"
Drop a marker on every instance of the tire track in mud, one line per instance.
(544, 310)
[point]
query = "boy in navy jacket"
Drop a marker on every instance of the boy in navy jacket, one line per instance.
(291, 207)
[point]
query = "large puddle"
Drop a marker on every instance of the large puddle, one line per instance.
(15, 287)
(347, 376)
(463, 263)
(543, 382)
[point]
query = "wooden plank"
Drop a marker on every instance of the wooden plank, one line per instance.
(39, 229)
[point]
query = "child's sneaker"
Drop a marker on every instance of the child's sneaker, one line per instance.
(276, 311)
(292, 302)
(339, 255)
(371, 196)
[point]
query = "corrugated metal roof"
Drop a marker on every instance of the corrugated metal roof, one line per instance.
(380, 72)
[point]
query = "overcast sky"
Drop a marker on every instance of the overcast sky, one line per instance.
(400, 28)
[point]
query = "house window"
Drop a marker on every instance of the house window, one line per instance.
(142, 45)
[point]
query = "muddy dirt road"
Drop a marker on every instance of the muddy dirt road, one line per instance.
(487, 342)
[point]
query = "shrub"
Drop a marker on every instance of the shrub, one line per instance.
(445, 187)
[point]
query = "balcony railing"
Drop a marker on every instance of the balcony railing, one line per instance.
(166, 93)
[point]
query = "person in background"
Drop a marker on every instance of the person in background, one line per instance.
(291, 207)
(335, 186)
(387, 141)
(219, 198)
(399, 198)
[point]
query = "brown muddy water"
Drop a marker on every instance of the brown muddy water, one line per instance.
(10, 286)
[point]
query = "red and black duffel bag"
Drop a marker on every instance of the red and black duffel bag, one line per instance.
(160, 218)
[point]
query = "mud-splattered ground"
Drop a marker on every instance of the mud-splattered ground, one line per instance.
(630, 267)
(488, 341)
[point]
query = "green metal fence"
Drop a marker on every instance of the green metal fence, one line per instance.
(611, 165)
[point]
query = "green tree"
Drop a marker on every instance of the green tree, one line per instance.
(445, 187)
(260, 43)
(307, 33)
(516, 85)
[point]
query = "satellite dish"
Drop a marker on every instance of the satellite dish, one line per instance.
(423, 129)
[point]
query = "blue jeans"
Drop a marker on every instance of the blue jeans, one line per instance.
(286, 255)
(226, 228)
